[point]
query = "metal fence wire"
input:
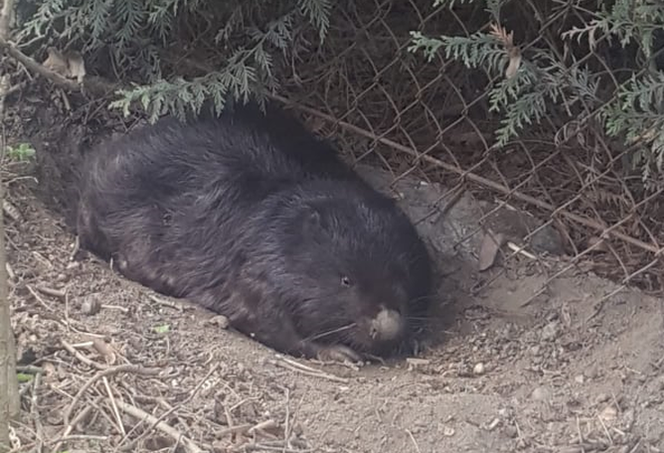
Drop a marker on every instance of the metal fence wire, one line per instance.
(432, 120)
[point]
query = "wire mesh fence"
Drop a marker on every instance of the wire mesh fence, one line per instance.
(432, 120)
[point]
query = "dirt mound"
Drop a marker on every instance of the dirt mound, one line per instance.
(557, 375)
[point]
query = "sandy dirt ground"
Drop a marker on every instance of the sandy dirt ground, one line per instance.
(560, 374)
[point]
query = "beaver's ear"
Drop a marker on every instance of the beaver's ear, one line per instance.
(313, 221)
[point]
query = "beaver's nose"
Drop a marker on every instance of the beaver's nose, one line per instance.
(386, 326)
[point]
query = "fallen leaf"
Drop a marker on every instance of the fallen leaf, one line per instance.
(105, 350)
(514, 64)
(69, 64)
(609, 414)
(165, 328)
(491, 243)
(76, 66)
(56, 62)
(598, 244)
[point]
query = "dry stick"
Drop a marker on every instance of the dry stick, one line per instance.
(163, 427)
(168, 412)
(288, 427)
(277, 446)
(167, 303)
(241, 429)
(412, 439)
(12, 90)
(70, 426)
(293, 365)
(59, 440)
(263, 426)
(38, 298)
(35, 413)
(57, 293)
(116, 413)
(246, 428)
(107, 372)
(288, 366)
(81, 357)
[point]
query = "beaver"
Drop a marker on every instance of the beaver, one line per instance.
(253, 217)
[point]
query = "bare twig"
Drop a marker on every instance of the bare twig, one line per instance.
(69, 427)
(34, 409)
(81, 357)
(114, 406)
(167, 303)
(292, 365)
(158, 420)
(163, 427)
(57, 293)
(107, 372)
(59, 441)
(38, 298)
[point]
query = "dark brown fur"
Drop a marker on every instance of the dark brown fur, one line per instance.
(256, 219)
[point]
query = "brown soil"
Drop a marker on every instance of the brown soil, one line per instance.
(560, 374)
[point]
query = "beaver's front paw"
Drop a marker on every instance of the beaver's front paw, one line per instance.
(338, 353)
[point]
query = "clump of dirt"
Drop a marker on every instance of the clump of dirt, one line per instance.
(112, 364)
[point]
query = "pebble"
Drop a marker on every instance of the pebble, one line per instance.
(479, 369)
(609, 414)
(220, 321)
(91, 305)
(602, 398)
(550, 331)
(540, 394)
(494, 423)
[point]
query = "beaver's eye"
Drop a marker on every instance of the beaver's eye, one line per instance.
(345, 281)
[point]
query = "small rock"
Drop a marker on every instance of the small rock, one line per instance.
(602, 398)
(540, 394)
(448, 431)
(609, 414)
(580, 379)
(417, 362)
(494, 423)
(219, 321)
(91, 305)
(550, 331)
(479, 369)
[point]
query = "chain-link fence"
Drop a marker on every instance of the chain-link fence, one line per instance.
(432, 120)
